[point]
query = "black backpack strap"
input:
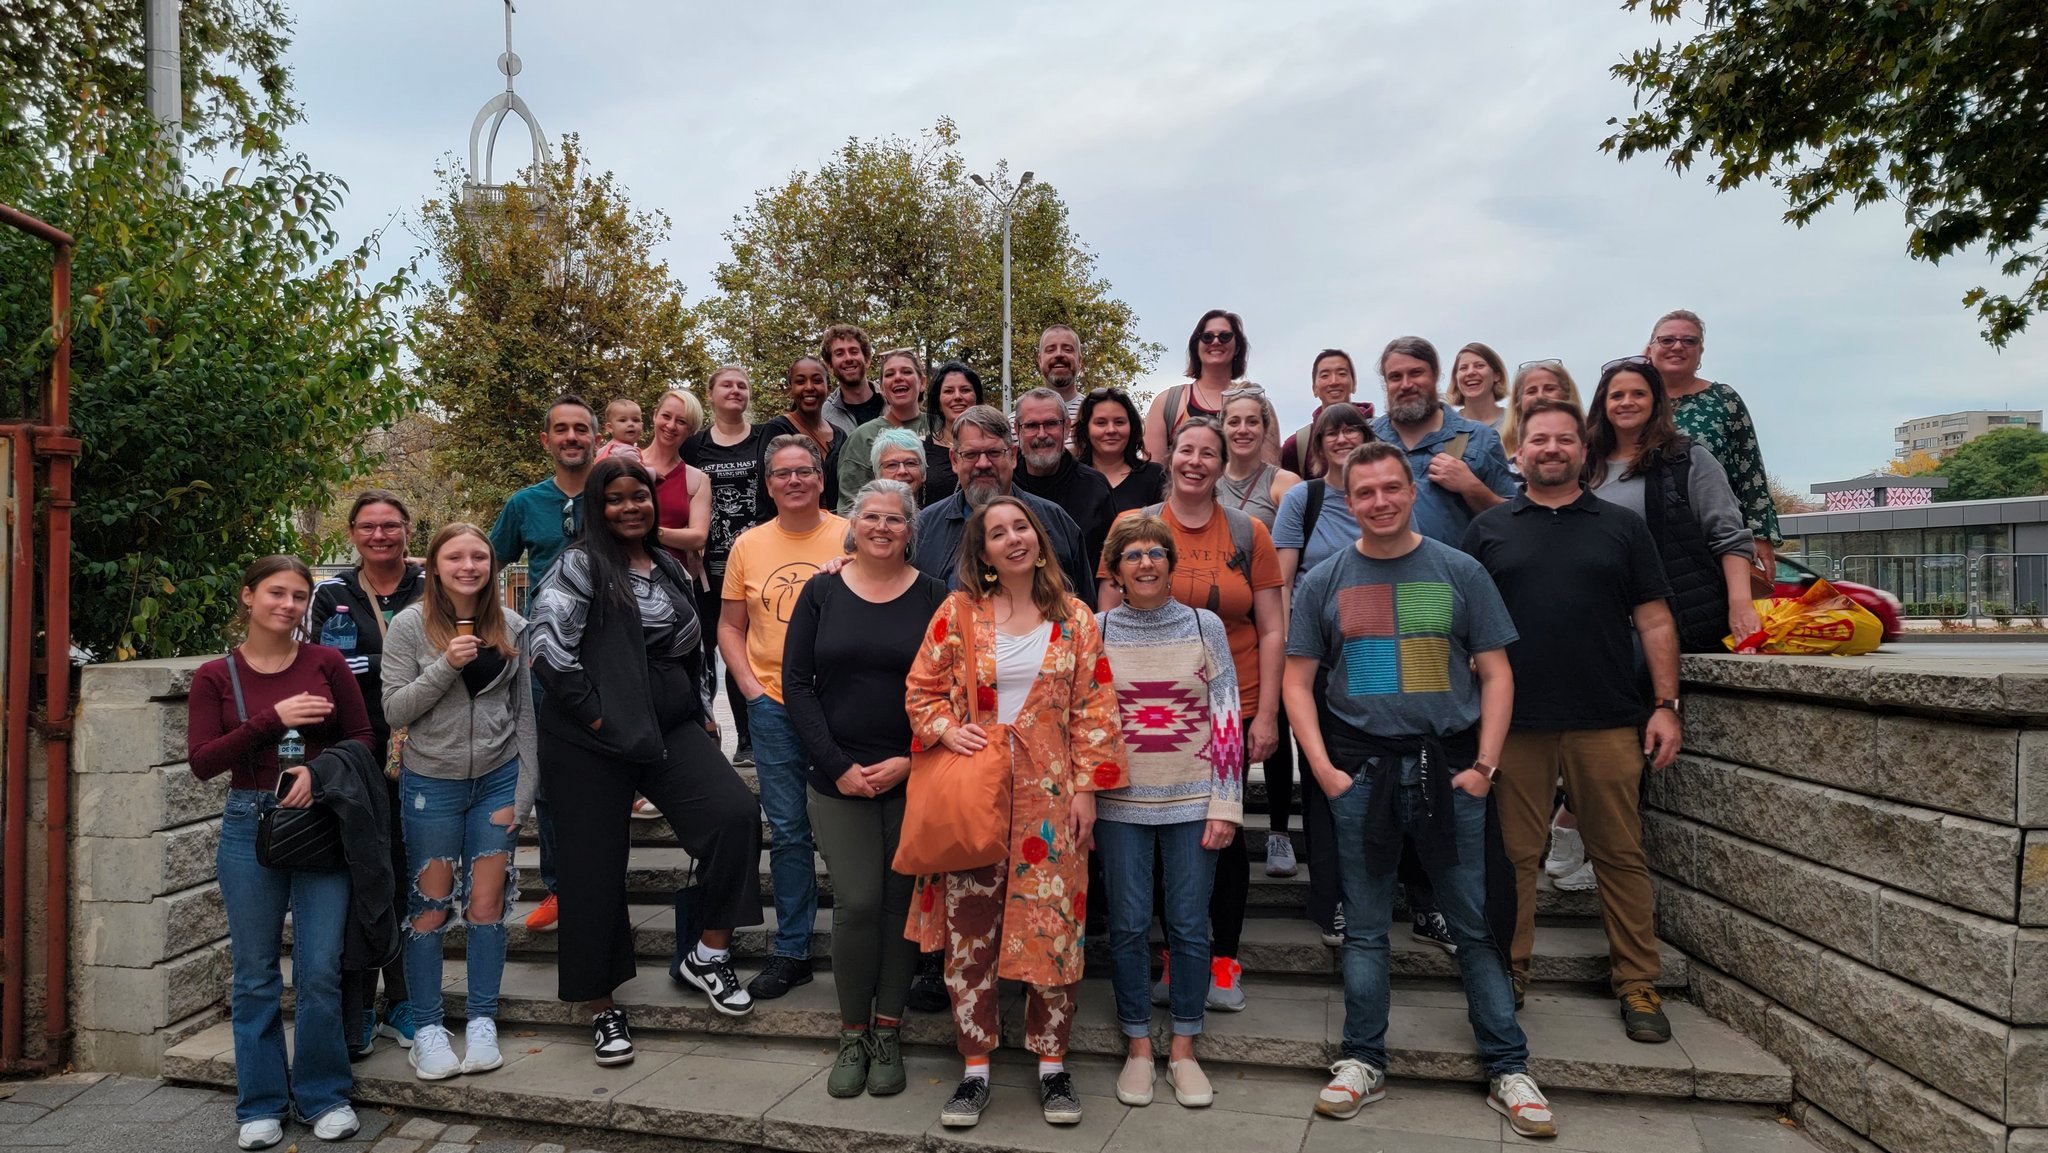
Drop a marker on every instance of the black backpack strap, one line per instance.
(1318, 488)
(235, 682)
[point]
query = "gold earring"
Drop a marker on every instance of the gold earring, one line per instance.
(988, 576)
(1041, 560)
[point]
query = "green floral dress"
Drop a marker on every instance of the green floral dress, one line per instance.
(1717, 418)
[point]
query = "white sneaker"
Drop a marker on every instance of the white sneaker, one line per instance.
(1516, 1097)
(1579, 880)
(432, 1058)
(1280, 856)
(1567, 852)
(1353, 1085)
(260, 1134)
(337, 1124)
(480, 1046)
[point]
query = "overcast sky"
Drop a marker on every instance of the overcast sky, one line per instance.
(1337, 173)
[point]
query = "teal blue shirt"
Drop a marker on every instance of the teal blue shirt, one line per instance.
(537, 523)
(1440, 514)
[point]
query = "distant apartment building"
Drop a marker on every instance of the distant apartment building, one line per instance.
(1941, 434)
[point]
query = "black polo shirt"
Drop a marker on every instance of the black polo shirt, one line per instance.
(1571, 578)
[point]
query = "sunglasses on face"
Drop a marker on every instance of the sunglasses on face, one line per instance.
(1218, 337)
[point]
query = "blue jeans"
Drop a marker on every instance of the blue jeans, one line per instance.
(1190, 873)
(779, 763)
(450, 821)
(1461, 897)
(317, 1079)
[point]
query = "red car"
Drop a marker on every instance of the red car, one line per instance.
(1792, 579)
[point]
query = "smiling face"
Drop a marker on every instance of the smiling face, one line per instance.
(1338, 441)
(1676, 348)
(463, 564)
(956, 395)
(379, 533)
(983, 463)
(1144, 573)
(794, 481)
(808, 387)
(1629, 404)
(882, 527)
(1473, 377)
(1008, 543)
(1551, 453)
(1218, 345)
(1244, 427)
(902, 390)
(849, 363)
(1541, 383)
(1195, 463)
(1059, 358)
(1334, 382)
(1411, 388)
(1109, 430)
(277, 603)
(901, 464)
(628, 509)
(730, 394)
(1042, 433)
(569, 437)
(1381, 497)
(672, 422)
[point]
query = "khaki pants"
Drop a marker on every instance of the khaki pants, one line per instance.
(1603, 773)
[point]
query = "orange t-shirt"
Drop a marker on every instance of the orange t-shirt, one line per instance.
(767, 568)
(1203, 569)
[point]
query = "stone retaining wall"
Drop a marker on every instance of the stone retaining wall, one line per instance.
(149, 947)
(1855, 854)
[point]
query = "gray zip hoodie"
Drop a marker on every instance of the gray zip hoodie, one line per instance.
(450, 734)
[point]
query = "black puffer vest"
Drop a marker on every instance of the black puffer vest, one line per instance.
(1699, 595)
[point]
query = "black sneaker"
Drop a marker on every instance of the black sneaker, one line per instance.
(1057, 1097)
(1333, 933)
(614, 1039)
(743, 757)
(1431, 929)
(966, 1105)
(1642, 1017)
(928, 991)
(779, 976)
(717, 980)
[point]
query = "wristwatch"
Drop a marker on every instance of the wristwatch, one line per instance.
(1668, 703)
(1492, 771)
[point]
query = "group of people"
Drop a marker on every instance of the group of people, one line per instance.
(1450, 600)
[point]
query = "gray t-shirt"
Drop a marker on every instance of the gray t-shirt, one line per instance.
(1398, 637)
(1713, 502)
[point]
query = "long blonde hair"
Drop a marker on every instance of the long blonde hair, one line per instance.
(438, 608)
(1511, 431)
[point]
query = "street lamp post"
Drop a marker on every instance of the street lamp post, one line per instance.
(1007, 204)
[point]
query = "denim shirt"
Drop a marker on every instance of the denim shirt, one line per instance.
(1440, 514)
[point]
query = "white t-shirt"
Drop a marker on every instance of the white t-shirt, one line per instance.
(1018, 660)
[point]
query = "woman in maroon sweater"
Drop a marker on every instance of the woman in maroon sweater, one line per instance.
(271, 694)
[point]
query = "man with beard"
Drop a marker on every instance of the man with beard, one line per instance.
(1050, 471)
(537, 523)
(1460, 470)
(1059, 366)
(845, 349)
(1575, 571)
(985, 461)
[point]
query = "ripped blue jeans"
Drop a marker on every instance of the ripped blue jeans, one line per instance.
(457, 832)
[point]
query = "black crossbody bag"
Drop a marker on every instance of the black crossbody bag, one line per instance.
(308, 838)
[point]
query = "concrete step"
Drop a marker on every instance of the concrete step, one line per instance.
(655, 871)
(1575, 1037)
(1270, 946)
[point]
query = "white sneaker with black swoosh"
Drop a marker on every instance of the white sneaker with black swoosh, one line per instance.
(718, 982)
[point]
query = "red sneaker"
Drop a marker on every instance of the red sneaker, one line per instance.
(543, 917)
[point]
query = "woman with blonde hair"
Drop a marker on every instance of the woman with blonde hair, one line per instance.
(1037, 671)
(454, 676)
(1533, 379)
(1479, 381)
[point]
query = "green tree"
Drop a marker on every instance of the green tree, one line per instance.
(1934, 104)
(229, 357)
(2008, 462)
(555, 289)
(891, 235)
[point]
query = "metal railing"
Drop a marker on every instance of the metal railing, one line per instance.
(1948, 586)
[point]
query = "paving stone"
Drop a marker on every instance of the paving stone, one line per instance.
(1165, 1125)
(119, 1091)
(1596, 1126)
(810, 1120)
(450, 1147)
(397, 1145)
(547, 1147)
(1750, 1135)
(1013, 1121)
(51, 1092)
(459, 1134)
(507, 1147)
(421, 1129)
(1413, 1109)
(19, 1113)
(1358, 1136)
(708, 1098)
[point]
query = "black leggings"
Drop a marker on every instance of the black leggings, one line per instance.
(708, 608)
(1280, 782)
(716, 820)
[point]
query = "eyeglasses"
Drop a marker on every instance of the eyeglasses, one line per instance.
(1547, 362)
(787, 474)
(884, 520)
(902, 464)
(982, 455)
(381, 528)
(1618, 361)
(1134, 555)
(1218, 337)
(1677, 342)
(1043, 425)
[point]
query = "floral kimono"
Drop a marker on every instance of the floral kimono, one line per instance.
(1067, 738)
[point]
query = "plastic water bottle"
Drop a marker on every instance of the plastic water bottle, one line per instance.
(291, 751)
(340, 631)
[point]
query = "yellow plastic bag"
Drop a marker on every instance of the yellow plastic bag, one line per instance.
(1818, 622)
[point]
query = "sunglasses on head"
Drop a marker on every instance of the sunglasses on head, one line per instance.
(1218, 337)
(1547, 362)
(1619, 361)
